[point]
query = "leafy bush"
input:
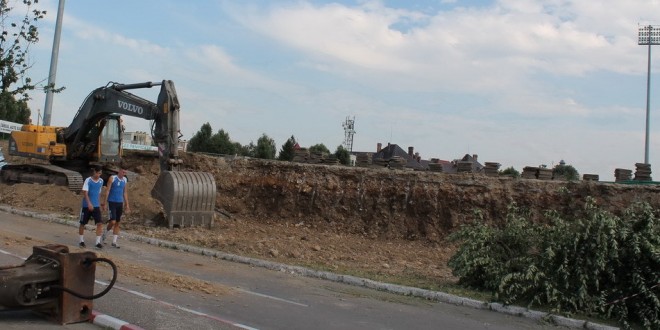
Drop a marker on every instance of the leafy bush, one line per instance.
(596, 263)
(567, 171)
(510, 171)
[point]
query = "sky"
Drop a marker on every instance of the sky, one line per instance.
(519, 82)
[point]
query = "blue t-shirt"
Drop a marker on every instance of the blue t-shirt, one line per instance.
(117, 189)
(93, 189)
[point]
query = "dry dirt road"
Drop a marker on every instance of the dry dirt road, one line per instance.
(162, 288)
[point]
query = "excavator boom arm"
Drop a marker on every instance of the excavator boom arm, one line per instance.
(114, 99)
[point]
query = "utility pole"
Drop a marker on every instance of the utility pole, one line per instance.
(48, 107)
(648, 35)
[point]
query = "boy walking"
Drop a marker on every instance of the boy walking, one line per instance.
(117, 198)
(91, 205)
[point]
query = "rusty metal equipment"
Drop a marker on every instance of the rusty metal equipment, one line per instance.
(53, 282)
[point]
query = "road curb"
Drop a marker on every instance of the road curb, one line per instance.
(345, 279)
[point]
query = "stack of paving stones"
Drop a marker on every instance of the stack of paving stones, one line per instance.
(544, 174)
(316, 157)
(380, 162)
(529, 172)
(621, 174)
(435, 167)
(491, 168)
(464, 166)
(590, 177)
(364, 159)
(397, 162)
(330, 161)
(301, 155)
(642, 172)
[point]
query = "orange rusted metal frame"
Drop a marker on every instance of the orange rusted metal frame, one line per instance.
(77, 273)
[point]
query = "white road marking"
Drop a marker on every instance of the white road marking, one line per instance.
(145, 296)
(271, 297)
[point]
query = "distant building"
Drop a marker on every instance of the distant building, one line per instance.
(395, 157)
(141, 138)
(393, 154)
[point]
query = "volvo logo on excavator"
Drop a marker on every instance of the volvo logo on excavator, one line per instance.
(130, 107)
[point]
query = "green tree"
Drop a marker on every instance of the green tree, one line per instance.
(510, 171)
(19, 32)
(221, 144)
(13, 110)
(288, 149)
(200, 141)
(343, 155)
(266, 148)
(567, 171)
(247, 150)
(589, 262)
(319, 148)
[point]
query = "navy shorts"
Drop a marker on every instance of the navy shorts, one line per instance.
(116, 210)
(85, 214)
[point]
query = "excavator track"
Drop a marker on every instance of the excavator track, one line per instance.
(42, 174)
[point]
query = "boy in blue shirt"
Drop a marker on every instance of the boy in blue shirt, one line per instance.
(117, 198)
(92, 205)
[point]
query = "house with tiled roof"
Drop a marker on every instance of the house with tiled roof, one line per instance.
(392, 153)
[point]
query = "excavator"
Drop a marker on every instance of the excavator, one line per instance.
(94, 137)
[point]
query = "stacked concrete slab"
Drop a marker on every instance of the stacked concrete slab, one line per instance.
(435, 167)
(380, 162)
(301, 155)
(529, 172)
(642, 172)
(330, 161)
(398, 162)
(590, 177)
(316, 157)
(621, 174)
(532, 172)
(492, 168)
(544, 173)
(465, 166)
(364, 159)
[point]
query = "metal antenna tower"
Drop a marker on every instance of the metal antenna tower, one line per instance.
(349, 131)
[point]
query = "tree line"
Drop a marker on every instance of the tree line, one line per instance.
(265, 148)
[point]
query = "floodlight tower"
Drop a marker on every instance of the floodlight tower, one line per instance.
(349, 131)
(48, 107)
(648, 35)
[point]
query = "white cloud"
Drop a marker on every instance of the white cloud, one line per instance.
(501, 80)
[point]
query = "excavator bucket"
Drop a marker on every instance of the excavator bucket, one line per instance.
(188, 198)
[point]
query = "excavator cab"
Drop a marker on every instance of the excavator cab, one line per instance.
(110, 140)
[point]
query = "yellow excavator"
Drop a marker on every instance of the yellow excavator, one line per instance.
(94, 137)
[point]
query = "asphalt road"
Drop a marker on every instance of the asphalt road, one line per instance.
(256, 298)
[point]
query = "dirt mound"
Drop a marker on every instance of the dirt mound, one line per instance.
(384, 224)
